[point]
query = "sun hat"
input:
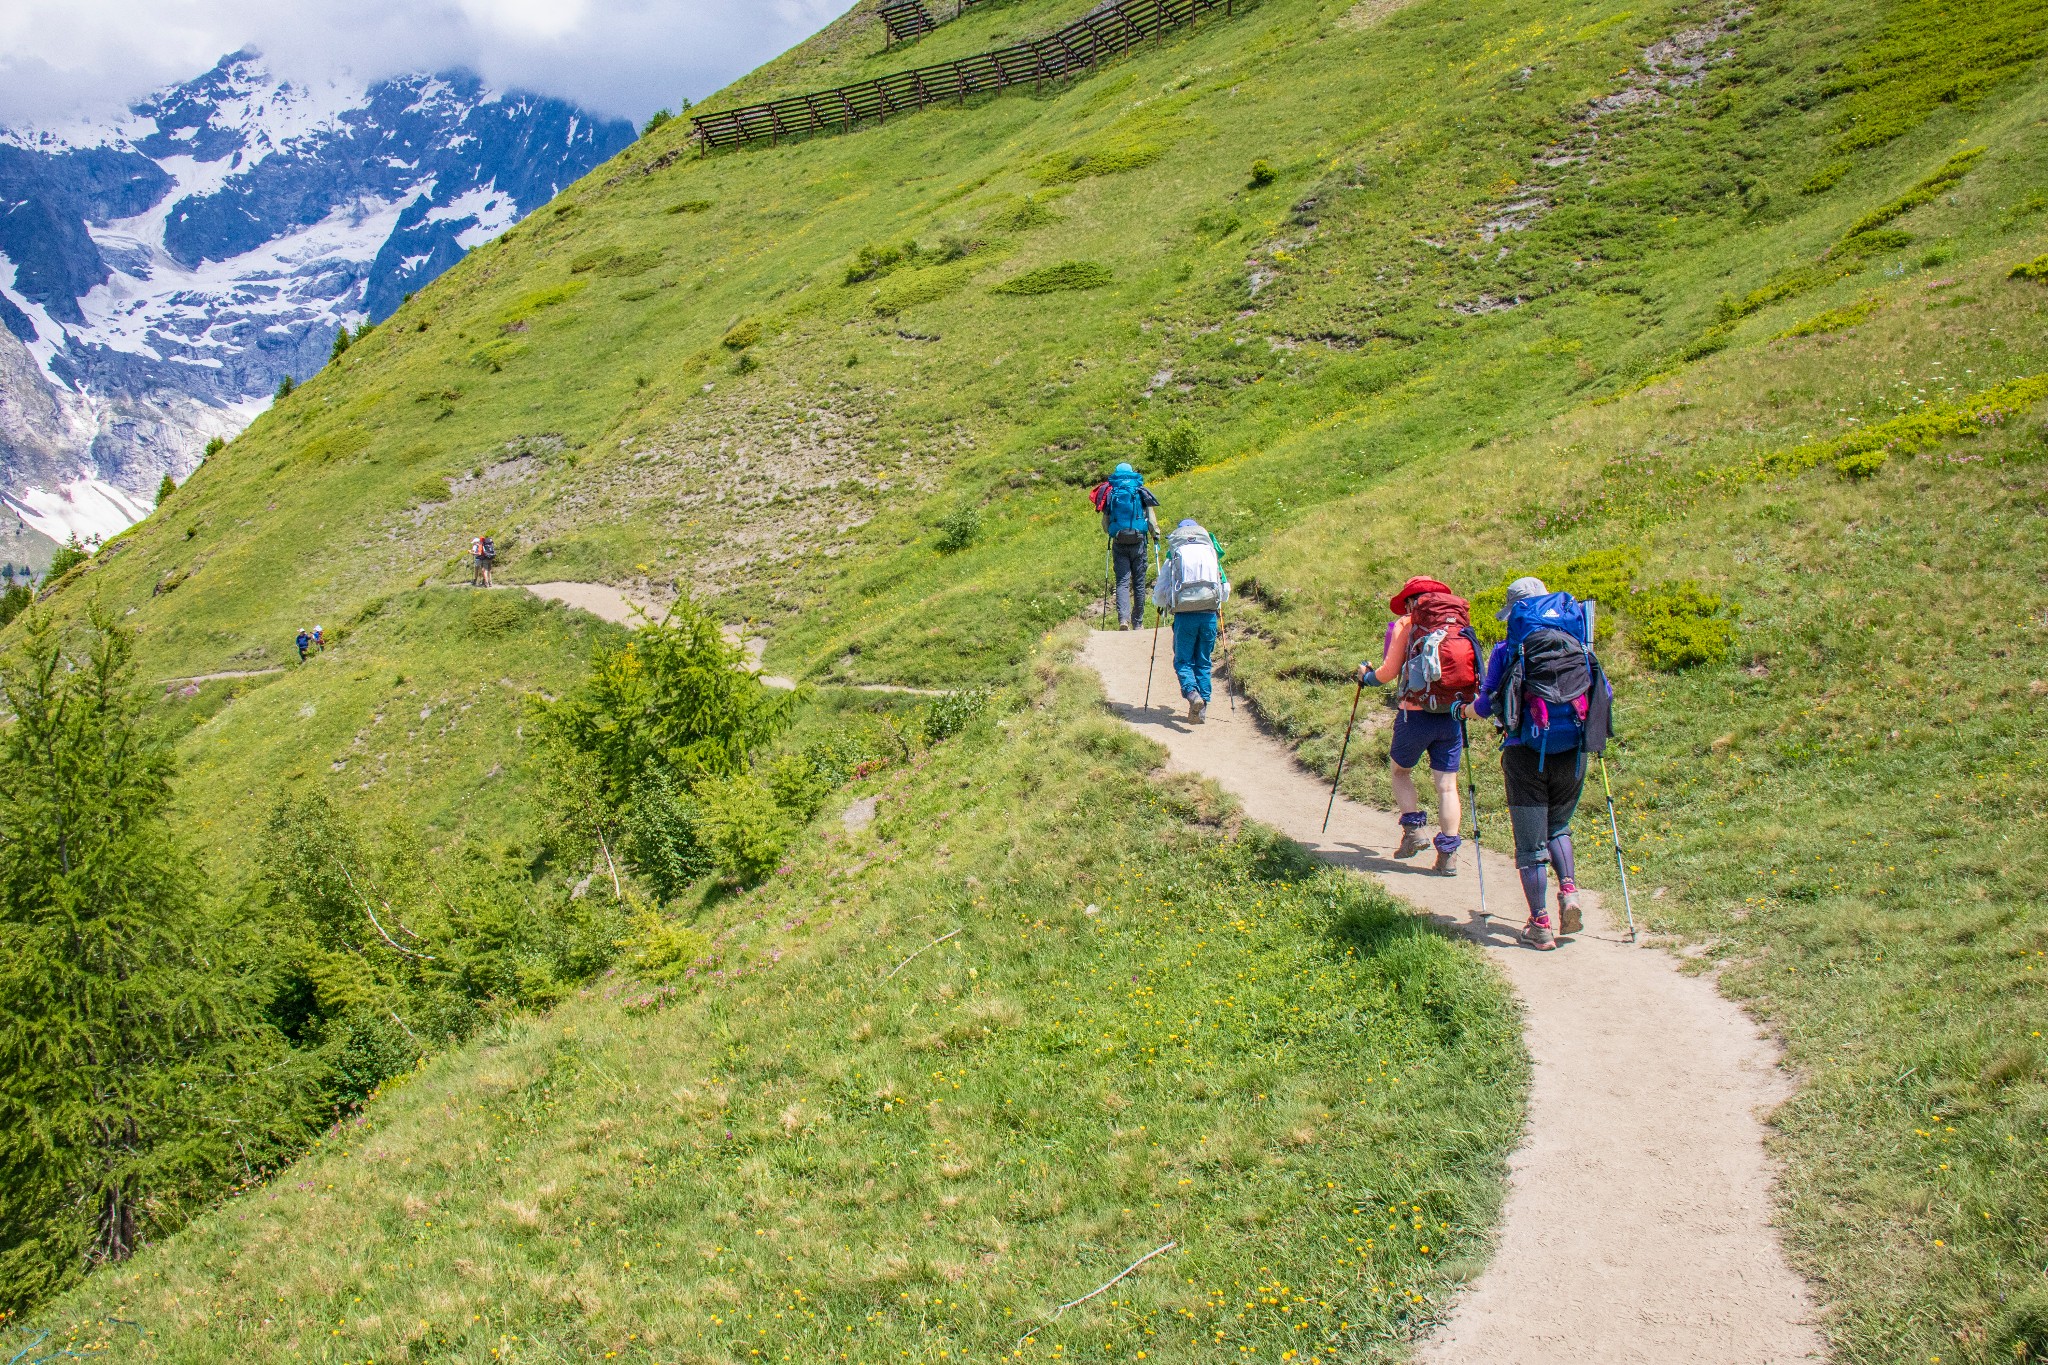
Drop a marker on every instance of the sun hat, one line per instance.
(1398, 603)
(1521, 590)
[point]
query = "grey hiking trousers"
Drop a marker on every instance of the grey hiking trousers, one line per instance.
(1130, 582)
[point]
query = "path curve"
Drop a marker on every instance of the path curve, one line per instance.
(216, 677)
(623, 609)
(1637, 1226)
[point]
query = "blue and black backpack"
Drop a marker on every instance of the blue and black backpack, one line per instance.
(1125, 508)
(1555, 695)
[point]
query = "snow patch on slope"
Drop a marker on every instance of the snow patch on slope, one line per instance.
(88, 507)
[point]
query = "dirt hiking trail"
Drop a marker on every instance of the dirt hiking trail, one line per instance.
(624, 609)
(1637, 1226)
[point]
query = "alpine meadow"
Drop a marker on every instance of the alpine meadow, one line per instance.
(503, 982)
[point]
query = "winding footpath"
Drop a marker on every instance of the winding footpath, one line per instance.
(1638, 1225)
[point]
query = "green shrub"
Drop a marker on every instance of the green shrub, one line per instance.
(1676, 626)
(912, 287)
(1053, 279)
(68, 557)
(165, 487)
(1826, 178)
(1263, 174)
(804, 778)
(1603, 576)
(1835, 319)
(1029, 212)
(213, 447)
(1945, 177)
(432, 488)
(872, 262)
(690, 206)
(2036, 269)
(672, 696)
(745, 363)
(1862, 453)
(1081, 164)
(663, 840)
(741, 825)
(655, 120)
(945, 717)
(284, 389)
(1174, 449)
(492, 614)
(742, 335)
(959, 530)
(660, 949)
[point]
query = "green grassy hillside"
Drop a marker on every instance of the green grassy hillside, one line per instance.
(1673, 302)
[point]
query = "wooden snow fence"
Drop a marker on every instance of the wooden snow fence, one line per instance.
(1103, 32)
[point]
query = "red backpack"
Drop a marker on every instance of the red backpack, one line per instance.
(1442, 666)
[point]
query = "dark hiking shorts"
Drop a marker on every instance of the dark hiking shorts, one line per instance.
(1420, 732)
(1543, 795)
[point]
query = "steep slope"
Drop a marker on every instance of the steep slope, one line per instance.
(170, 267)
(1598, 287)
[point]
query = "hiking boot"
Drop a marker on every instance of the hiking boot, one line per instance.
(1194, 708)
(1446, 862)
(1414, 839)
(1538, 934)
(1571, 919)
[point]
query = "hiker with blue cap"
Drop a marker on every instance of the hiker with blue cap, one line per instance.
(1548, 696)
(1130, 522)
(1193, 587)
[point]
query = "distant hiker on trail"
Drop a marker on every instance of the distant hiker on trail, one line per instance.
(304, 641)
(1130, 523)
(482, 554)
(1431, 656)
(1192, 586)
(1550, 698)
(319, 640)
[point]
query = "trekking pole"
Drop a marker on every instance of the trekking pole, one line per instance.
(1228, 676)
(1108, 569)
(1614, 827)
(1348, 726)
(1157, 618)
(1472, 786)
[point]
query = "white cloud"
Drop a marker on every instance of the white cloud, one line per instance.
(60, 58)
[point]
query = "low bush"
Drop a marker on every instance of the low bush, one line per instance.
(1676, 626)
(2036, 269)
(959, 530)
(1174, 449)
(1057, 278)
(742, 826)
(1084, 164)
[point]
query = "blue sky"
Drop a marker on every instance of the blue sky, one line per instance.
(67, 58)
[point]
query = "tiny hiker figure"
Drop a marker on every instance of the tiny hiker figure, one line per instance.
(482, 554)
(1432, 659)
(1193, 587)
(304, 642)
(1549, 697)
(1130, 523)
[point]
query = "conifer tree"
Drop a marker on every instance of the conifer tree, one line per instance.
(135, 1074)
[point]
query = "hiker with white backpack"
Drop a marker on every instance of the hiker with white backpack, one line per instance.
(1192, 586)
(1547, 694)
(1431, 658)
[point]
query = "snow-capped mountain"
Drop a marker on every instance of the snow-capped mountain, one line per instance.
(159, 273)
